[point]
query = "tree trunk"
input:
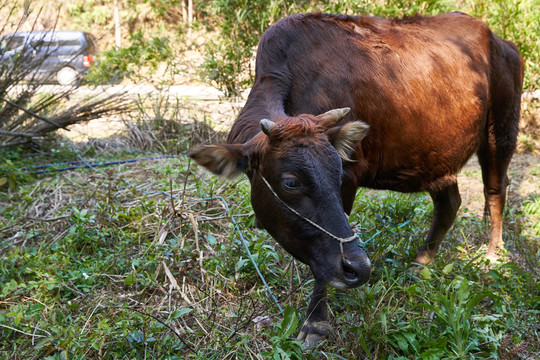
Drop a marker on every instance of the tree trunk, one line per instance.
(184, 11)
(117, 34)
(190, 17)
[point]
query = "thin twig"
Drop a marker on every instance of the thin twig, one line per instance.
(196, 234)
(185, 187)
(51, 219)
(172, 198)
(88, 320)
(14, 143)
(74, 290)
(22, 332)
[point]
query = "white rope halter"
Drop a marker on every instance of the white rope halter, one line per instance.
(317, 226)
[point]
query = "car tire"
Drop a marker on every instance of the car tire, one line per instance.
(67, 76)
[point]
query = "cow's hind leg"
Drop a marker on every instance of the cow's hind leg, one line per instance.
(500, 134)
(446, 203)
(495, 154)
(494, 166)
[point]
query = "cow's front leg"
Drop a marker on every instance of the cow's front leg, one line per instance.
(316, 327)
(446, 203)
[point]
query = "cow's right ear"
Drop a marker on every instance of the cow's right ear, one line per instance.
(226, 160)
(346, 137)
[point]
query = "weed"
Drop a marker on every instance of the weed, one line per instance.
(282, 346)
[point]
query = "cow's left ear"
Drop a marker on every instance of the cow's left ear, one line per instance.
(344, 138)
(226, 160)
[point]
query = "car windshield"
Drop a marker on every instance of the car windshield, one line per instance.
(41, 43)
(69, 42)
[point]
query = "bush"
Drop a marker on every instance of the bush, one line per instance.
(515, 20)
(118, 63)
(242, 23)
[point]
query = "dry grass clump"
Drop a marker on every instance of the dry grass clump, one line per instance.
(529, 127)
(30, 110)
(172, 125)
(31, 116)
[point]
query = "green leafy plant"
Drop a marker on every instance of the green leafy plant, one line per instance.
(115, 268)
(241, 23)
(283, 348)
(144, 260)
(453, 312)
(117, 63)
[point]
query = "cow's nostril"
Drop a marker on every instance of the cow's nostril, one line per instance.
(348, 269)
(356, 272)
(350, 272)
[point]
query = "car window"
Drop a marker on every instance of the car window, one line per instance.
(42, 44)
(13, 42)
(70, 42)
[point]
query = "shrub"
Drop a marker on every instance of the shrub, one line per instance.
(242, 23)
(118, 63)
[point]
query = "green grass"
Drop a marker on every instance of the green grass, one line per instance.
(103, 265)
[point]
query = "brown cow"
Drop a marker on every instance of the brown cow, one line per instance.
(425, 94)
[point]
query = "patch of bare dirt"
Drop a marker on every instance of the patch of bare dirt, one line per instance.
(524, 175)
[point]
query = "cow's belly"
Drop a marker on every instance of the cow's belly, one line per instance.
(421, 165)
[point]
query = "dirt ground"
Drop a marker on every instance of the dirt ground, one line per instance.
(524, 176)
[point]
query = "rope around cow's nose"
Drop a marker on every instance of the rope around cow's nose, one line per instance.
(317, 226)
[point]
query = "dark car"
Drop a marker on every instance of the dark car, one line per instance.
(42, 56)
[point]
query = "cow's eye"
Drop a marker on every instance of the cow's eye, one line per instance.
(290, 183)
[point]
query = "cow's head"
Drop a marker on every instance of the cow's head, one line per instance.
(301, 160)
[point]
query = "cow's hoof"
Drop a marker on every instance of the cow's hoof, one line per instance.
(495, 252)
(313, 333)
(310, 340)
(423, 258)
(493, 257)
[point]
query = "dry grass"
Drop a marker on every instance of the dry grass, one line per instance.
(529, 127)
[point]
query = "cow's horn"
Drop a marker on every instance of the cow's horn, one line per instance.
(333, 116)
(266, 126)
